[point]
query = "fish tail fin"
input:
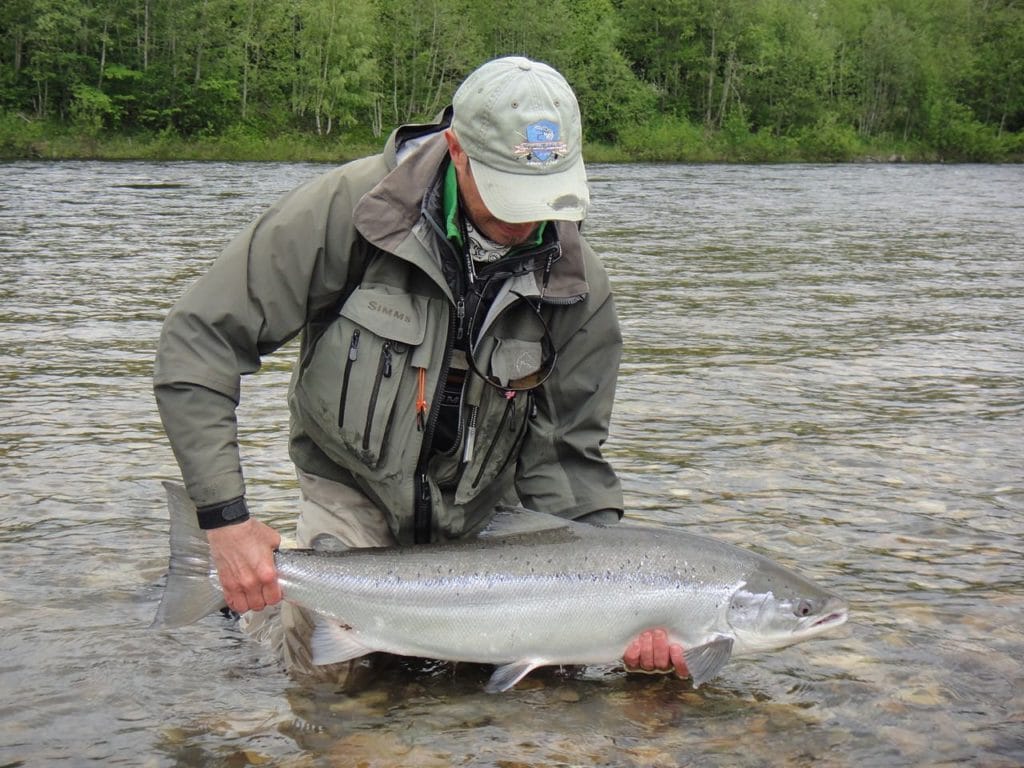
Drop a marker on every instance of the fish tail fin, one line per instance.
(192, 589)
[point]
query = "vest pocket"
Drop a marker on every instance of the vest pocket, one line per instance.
(358, 376)
(502, 425)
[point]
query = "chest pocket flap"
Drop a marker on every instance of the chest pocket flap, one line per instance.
(401, 317)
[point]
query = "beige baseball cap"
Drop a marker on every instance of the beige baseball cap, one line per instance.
(519, 123)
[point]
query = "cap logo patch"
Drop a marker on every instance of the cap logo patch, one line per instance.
(543, 144)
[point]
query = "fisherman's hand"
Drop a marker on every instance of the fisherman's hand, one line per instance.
(244, 556)
(652, 652)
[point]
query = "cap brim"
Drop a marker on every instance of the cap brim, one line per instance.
(538, 196)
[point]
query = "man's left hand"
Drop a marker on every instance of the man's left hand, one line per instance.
(652, 652)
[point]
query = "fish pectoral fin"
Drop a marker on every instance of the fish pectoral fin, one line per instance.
(705, 661)
(508, 675)
(333, 642)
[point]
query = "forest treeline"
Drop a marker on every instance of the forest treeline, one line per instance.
(657, 79)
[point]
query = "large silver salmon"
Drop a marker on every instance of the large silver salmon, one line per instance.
(532, 590)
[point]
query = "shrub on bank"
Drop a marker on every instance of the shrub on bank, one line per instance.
(828, 141)
(666, 139)
(20, 137)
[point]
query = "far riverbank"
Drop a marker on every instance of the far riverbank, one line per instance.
(660, 142)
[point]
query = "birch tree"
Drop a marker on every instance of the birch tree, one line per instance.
(335, 76)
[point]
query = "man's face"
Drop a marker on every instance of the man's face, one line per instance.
(485, 222)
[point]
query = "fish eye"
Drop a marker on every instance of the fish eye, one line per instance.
(803, 608)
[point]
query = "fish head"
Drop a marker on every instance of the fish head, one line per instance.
(775, 607)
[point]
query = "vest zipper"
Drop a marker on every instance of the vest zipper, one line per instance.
(353, 353)
(422, 520)
(510, 408)
(383, 372)
(529, 413)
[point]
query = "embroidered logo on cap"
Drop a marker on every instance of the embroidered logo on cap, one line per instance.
(543, 144)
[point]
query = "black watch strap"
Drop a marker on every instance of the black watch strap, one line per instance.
(219, 515)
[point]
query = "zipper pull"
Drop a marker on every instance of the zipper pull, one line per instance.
(460, 314)
(386, 363)
(470, 444)
(421, 398)
(353, 348)
(547, 270)
(422, 511)
(510, 398)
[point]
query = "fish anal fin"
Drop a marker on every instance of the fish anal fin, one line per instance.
(705, 661)
(333, 642)
(506, 676)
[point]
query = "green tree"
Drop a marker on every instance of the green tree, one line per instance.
(17, 18)
(659, 36)
(788, 84)
(335, 73)
(424, 50)
(611, 97)
(265, 35)
(580, 38)
(53, 63)
(995, 87)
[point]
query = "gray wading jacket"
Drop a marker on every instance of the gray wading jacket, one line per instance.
(358, 262)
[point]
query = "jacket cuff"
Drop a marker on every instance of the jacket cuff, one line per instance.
(219, 515)
(601, 517)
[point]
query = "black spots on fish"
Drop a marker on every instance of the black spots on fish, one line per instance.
(685, 574)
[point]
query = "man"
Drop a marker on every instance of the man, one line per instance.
(459, 343)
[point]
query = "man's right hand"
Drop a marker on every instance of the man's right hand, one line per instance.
(244, 556)
(652, 652)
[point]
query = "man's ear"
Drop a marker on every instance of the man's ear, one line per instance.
(453, 143)
(458, 154)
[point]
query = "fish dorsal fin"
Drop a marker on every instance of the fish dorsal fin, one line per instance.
(333, 642)
(510, 674)
(515, 521)
(705, 661)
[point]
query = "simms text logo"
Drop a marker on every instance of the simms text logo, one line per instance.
(375, 306)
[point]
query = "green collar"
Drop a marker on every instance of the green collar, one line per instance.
(451, 209)
(451, 205)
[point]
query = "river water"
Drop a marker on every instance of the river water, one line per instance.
(824, 363)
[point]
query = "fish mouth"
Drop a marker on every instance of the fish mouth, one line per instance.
(834, 618)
